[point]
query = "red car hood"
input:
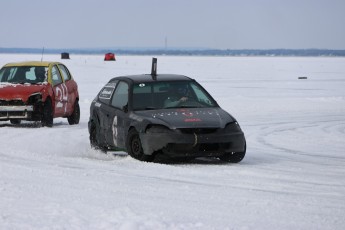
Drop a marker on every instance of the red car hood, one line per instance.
(18, 91)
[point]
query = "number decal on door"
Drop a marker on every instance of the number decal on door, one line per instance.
(62, 96)
(114, 129)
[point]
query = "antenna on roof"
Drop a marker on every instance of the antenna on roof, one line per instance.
(42, 54)
(154, 68)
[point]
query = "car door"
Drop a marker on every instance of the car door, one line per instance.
(71, 89)
(60, 92)
(102, 114)
(119, 115)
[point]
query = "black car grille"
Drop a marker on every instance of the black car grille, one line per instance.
(203, 149)
(198, 130)
(11, 102)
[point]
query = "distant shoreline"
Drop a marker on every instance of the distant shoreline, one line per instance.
(184, 52)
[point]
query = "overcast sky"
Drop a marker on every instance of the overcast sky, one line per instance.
(220, 24)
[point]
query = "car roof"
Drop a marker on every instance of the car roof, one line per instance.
(152, 78)
(31, 63)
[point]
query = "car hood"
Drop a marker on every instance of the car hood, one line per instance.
(188, 118)
(18, 91)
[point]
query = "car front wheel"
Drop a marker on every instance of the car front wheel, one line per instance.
(47, 117)
(234, 157)
(15, 122)
(134, 147)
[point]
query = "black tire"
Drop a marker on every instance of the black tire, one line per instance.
(234, 157)
(15, 122)
(75, 116)
(134, 148)
(94, 138)
(47, 116)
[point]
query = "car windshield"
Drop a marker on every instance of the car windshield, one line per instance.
(23, 74)
(173, 94)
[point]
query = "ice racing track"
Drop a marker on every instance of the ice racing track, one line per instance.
(302, 131)
(291, 178)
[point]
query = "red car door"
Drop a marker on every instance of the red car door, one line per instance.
(71, 87)
(60, 92)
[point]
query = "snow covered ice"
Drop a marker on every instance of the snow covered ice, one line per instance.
(291, 178)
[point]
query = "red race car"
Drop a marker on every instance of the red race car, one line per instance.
(38, 91)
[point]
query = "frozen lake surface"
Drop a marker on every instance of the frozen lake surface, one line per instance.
(291, 178)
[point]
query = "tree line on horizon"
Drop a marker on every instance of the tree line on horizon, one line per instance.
(185, 52)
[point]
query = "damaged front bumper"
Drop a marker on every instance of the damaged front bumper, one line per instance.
(19, 109)
(16, 112)
(177, 143)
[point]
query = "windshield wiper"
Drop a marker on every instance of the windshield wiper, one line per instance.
(150, 108)
(146, 108)
(189, 106)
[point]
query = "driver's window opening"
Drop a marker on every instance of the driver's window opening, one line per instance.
(120, 97)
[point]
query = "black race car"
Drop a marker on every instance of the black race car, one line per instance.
(167, 115)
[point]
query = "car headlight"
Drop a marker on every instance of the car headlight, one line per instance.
(157, 129)
(233, 127)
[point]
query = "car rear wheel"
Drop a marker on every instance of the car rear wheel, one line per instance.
(134, 147)
(75, 116)
(94, 135)
(234, 157)
(47, 117)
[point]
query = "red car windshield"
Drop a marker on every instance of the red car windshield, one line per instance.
(23, 74)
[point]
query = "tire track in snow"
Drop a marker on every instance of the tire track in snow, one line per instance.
(277, 135)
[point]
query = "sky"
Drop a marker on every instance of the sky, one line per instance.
(218, 24)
